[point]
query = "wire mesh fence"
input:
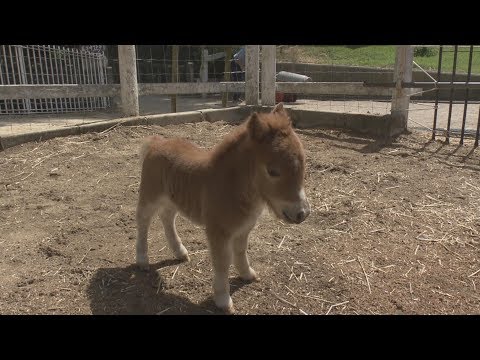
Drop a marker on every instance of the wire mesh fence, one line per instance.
(375, 65)
(340, 65)
(338, 73)
(192, 64)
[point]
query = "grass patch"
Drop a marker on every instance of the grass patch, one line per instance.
(376, 56)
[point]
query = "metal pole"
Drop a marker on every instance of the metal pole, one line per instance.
(466, 94)
(447, 139)
(173, 98)
(439, 72)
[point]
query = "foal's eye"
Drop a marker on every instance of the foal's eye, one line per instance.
(273, 173)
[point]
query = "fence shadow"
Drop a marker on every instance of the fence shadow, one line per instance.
(464, 156)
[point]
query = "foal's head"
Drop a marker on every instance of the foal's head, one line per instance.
(280, 164)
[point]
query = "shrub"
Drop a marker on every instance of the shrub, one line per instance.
(423, 51)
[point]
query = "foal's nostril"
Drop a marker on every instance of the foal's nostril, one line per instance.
(300, 216)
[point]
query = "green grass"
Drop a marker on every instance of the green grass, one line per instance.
(375, 56)
(431, 63)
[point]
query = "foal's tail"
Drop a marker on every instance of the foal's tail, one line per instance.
(147, 144)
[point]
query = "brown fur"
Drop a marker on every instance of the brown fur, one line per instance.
(224, 189)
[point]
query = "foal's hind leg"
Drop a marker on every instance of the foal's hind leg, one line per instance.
(168, 213)
(145, 212)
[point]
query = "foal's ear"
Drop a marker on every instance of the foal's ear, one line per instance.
(279, 109)
(258, 128)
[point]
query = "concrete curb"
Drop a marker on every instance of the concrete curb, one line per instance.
(366, 124)
(376, 125)
(233, 115)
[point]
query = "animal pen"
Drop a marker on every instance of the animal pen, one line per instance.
(48, 80)
(388, 232)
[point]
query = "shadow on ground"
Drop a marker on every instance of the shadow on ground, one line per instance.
(130, 291)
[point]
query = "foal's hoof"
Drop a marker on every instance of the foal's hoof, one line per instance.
(251, 276)
(182, 254)
(143, 266)
(229, 311)
(142, 263)
(185, 258)
(225, 304)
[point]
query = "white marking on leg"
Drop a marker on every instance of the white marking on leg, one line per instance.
(221, 254)
(240, 258)
(221, 292)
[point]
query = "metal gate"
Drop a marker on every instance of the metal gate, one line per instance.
(465, 92)
(453, 86)
(51, 65)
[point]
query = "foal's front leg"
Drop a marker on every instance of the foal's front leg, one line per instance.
(221, 255)
(240, 258)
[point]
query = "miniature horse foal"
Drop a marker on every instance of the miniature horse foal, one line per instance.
(224, 189)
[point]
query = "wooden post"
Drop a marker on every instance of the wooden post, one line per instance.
(401, 96)
(268, 74)
(128, 80)
(251, 74)
(204, 68)
(228, 70)
(173, 98)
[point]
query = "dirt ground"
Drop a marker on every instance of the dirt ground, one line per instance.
(394, 230)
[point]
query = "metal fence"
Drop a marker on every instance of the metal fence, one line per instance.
(51, 65)
(443, 85)
(403, 84)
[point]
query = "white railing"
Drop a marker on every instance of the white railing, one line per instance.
(50, 65)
